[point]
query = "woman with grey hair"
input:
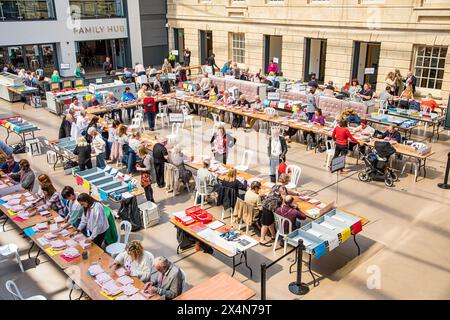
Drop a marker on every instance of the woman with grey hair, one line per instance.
(177, 158)
(277, 150)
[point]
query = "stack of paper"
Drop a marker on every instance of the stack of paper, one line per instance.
(58, 245)
(102, 278)
(314, 201)
(71, 253)
(215, 225)
(24, 215)
(120, 272)
(111, 289)
(50, 236)
(59, 219)
(41, 226)
(43, 241)
(129, 290)
(14, 202)
(122, 297)
(125, 280)
(79, 237)
(30, 198)
(64, 233)
(44, 213)
(95, 269)
(71, 243)
(27, 194)
(84, 244)
(17, 208)
(54, 227)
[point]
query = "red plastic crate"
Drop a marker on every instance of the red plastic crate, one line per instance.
(192, 210)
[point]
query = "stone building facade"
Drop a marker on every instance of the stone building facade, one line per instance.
(336, 39)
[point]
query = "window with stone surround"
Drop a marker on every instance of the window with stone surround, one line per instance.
(237, 48)
(429, 64)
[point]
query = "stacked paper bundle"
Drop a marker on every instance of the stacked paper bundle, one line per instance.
(129, 290)
(79, 237)
(111, 289)
(14, 201)
(58, 245)
(17, 208)
(50, 236)
(85, 245)
(71, 243)
(125, 280)
(64, 233)
(71, 253)
(23, 215)
(123, 297)
(95, 269)
(59, 219)
(44, 213)
(54, 227)
(120, 272)
(102, 278)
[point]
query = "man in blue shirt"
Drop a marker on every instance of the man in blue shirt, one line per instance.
(128, 96)
(10, 165)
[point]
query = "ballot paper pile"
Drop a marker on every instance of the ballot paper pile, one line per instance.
(58, 245)
(71, 253)
(50, 236)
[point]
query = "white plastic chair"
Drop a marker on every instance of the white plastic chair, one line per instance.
(279, 226)
(201, 190)
(12, 288)
(246, 159)
(115, 248)
(187, 116)
(137, 123)
(172, 138)
(11, 251)
(294, 173)
(139, 115)
(183, 282)
(330, 149)
(217, 122)
(163, 114)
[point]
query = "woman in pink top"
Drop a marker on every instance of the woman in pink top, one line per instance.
(310, 137)
(273, 67)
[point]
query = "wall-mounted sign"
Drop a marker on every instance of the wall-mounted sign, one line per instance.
(175, 52)
(98, 80)
(99, 29)
(369, 70)
(275, 60)
(65, 66)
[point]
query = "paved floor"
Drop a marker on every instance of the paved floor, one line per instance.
(404, 247)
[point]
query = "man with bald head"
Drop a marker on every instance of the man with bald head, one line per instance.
(289, 211)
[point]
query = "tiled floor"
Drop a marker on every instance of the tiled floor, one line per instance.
(405, 244)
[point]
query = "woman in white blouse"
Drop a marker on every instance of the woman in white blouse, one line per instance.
(93, 219)
(135, 261)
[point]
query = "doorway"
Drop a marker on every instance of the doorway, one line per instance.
(366, 56)
(178, 36)
(272, 50)
(206, 45)
(315, 59)
(92, 54)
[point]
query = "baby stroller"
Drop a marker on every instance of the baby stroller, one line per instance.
(376, 164)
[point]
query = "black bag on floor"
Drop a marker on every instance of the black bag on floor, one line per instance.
(184, 240)
(69, 164)
(130, 212)
(19, 148)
